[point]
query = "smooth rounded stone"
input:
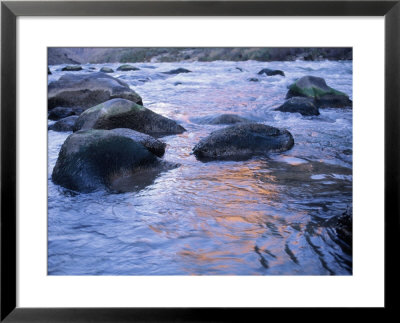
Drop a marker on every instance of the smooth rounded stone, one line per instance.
(88, 90)
(270, 72)
(106, 70)
(253, 79)
(126, 68)
(228, 119)
(94, 159)
(178, 71)
(152, 144)
(243, 141)
(63, 112)
(65, 124)
(317, 89)
(48, 71)
(71, 68)
(302, 105)
(121, 113)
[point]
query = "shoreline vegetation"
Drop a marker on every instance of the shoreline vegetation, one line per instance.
(75, 55)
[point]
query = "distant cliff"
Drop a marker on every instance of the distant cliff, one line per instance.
(76, 55)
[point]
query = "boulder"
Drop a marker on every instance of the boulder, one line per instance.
(88, 90)
(243, 141)
(127, 67)
(317, 89)
(152, 144)
(121, 113)
(63, 112)
(95, 159)
(228, 119)
(270, 72)
(71, 68)
(178, 71)
(106, 70)
(302, 105)
(65, 124)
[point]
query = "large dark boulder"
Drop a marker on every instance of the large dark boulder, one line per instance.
(71, 68)
(106, 70)
(178, 71)
(121, 113)
(65, 124)
(88, 90)
(127, 67)
(97, 159)
(302, 105)
(152, 144)
(243, 141)
(317, 89)
(270, 72)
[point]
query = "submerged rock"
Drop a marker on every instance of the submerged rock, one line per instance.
(343, 225)
(317, 89)
(63, 112)
(228, 119)
(48, 71)
(65, 124)
(178, 71)
(71, 68)
(121, 113)
(270, 72)
(106, 70)
(88, 90)
(253, 79)
(96, 159)
(152, 144)
(127, 67)
(302, 105)
(243, 141)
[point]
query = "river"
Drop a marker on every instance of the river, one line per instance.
(264, 216)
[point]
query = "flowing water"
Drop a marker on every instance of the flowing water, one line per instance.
(264, 216)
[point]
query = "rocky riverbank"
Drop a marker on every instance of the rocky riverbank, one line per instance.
(67, 55)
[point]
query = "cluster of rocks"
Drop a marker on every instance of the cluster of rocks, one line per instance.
(310, 93)
(122, 68)
(113, 133)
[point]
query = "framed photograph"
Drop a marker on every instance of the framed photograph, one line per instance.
(190, 160)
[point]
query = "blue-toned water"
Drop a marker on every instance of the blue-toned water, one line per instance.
(265, 216)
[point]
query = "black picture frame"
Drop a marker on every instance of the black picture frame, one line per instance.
(10, 10)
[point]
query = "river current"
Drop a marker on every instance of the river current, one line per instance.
(264, 216)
